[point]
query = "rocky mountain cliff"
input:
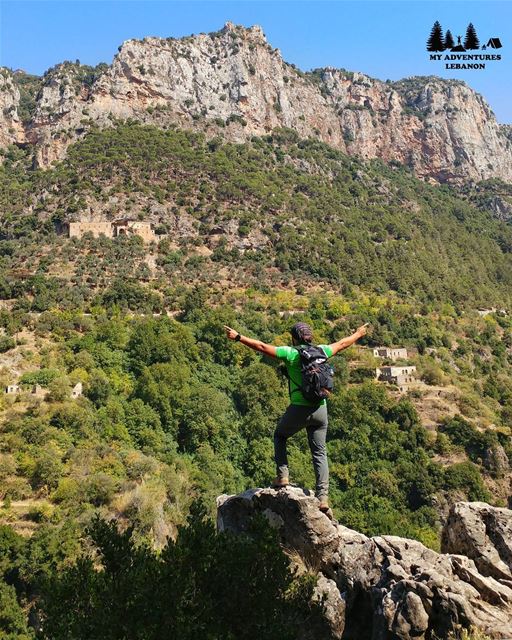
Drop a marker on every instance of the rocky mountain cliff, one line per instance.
(234, 83)
(387, 587)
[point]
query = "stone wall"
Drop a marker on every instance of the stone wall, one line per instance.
(113, 229)
(77, 229)
(135, 227)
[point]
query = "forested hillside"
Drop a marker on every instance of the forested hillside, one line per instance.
(289, 209)
(256, 236)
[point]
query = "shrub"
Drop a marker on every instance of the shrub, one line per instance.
(465, 476)
(69, 490)
(432, 374)
(100, 488)
(40, 512)
(13, 621)
(6, 343)
(42, 377)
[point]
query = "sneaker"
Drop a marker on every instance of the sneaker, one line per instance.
(277, 483)
(324, 504)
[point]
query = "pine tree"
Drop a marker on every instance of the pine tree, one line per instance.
(471, 41)
(435, 41)
(448, 40)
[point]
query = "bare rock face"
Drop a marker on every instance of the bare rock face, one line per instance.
(484, 534)
(234, 83)
(496, 460)
(11, 129)
(385, 587)
(501, 207)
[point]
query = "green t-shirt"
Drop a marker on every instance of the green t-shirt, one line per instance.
(291, 358)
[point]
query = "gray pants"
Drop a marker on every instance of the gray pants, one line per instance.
(295, 418)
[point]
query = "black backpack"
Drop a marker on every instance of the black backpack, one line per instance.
(317, 373)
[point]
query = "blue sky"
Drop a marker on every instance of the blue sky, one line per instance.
(385, 39)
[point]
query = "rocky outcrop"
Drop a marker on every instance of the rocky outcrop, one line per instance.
(484, 534)
(11, 129)
(235, 83)
(501, 207)
(385, 587)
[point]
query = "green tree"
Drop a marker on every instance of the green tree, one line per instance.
(214, 475)
(6, 343)
(202, 584)
(144, 425)
(160, 340)
(207, 418)
(259, 385)
(166, 388)
(13, 621)
(48, 466)
(465, 475)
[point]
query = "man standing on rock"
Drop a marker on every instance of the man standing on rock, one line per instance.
(300, 412)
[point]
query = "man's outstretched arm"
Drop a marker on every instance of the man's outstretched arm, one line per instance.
(257, 345)
(349, 340)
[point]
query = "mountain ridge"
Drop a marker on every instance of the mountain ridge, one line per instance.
(233, 82)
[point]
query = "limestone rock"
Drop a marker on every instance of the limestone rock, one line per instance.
(387, 587)
(234, 83)
(496, 460)
(11, 128)
(329, 597)
(501, 207)
(484, 534)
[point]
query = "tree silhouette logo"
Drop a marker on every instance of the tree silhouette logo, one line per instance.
(471, 40)
(448, 40)
(437, 41)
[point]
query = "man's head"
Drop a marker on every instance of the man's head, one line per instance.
(301, 333)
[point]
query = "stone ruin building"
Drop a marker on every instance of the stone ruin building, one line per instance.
(114, 229)
(401, 376)
(128, 227)
(390, 353)
(77, 229)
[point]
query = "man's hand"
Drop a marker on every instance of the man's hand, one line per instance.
(230, 333)
(344, 343)
(362, 331)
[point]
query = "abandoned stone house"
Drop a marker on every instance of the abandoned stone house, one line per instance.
(76, 391)
(12, 389)
(401, 376)
(485, 312)
(128, 227)
(390, 353)
(36, 390)
(77, 229)
(121, 227)
(39, 391)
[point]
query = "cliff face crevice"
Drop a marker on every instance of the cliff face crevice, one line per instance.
(390, 587)
(232, 82)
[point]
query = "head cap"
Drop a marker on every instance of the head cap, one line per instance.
(302, 332)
